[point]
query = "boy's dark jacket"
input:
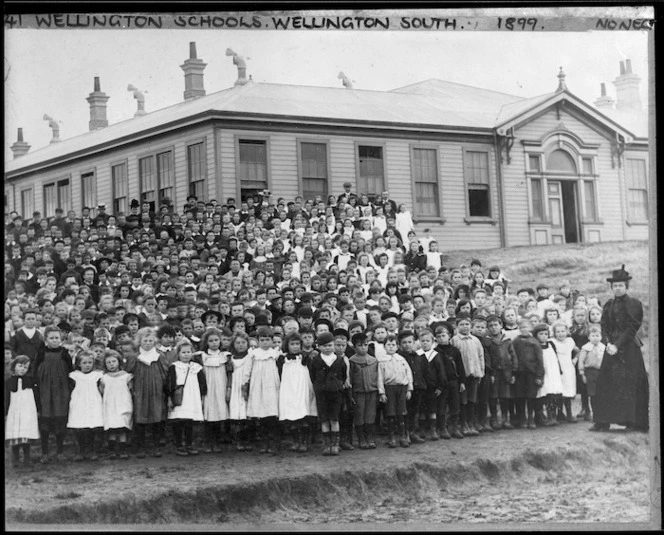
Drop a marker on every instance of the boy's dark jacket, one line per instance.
(328, 378)
(529, 352)
(420, 367)
(453, 362)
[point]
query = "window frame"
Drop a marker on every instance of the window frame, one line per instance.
(491, 219)
(153, 155)
(631, 218)
(370, 143)
(417, 216)
(204, 168)
(93, 205)
(115, 208)
(300, 167)
(31, 189)
(57, 184)
(238, 180)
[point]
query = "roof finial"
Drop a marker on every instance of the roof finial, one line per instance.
(562, 86)
(347, 82)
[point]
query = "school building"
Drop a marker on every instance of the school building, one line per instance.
(478, 167)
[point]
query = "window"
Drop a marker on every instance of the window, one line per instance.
(559, 160)
(477, 182)
(57, 195)
(372, 176)
(637, 189)
(587, 166)
(120, 187)
(89, 190)
(27, 203)
(313, 161)
(196, 169)
(534, 163)
(589, 200)
(538, 200)
(425, 179)
(253, 164)
(156, 177)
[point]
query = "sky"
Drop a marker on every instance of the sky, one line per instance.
(52, 71)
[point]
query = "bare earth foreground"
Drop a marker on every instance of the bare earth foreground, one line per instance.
(550, 476)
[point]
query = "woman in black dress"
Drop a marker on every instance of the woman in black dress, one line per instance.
(622, 385)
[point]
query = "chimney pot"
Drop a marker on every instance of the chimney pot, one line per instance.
(97, 101)
(20, 147)
(193, 74)
(603, 89)
(628, 66)
(622, 67)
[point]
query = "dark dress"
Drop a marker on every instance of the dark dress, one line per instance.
(52, 368)
(22, 345)
(622, 385)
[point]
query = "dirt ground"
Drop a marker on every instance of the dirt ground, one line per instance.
(551, 477)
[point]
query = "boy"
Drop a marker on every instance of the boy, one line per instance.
(341, 350)
(435, 401)
(395, 387)
(530, 374)
(590, 361)
(472, 354)
(450, 397)
(364, 385)
(505, 364)
(478, 329)
(166, 341)
(328, 375)
(419, 367)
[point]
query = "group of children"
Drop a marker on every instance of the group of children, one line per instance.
(335, 337)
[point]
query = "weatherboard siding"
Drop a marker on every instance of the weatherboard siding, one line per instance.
(610, 197)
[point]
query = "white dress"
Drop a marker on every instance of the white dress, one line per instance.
(564, 349)
(22, 423)
(85, 405)
(241, 375)
(296, 393)
(264, 384)
(552, 383)
(215, 407)
(192, 405)
(404, 224)
(117, 402)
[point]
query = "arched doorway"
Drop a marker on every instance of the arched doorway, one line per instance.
(563, 197)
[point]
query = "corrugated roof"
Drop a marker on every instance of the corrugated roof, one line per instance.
(436, 103)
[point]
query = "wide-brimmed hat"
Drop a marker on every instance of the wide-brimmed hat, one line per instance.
(620, 275)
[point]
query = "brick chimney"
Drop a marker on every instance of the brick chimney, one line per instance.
(604, 102)
(20, 147)
(193, 74)
(97, 101)
(627, 88)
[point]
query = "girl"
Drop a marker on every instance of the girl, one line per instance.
(241, 367)
(594, 315)
(149, 403)
(190, 376)
(551, 316)
(217, 370)
(404, 220)
(552, 385)
(566, 350)
(263, 402)
(296, 395)
(85, 407)
(21, 402)
(53, 364)
(117, 404)
(579, 333)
